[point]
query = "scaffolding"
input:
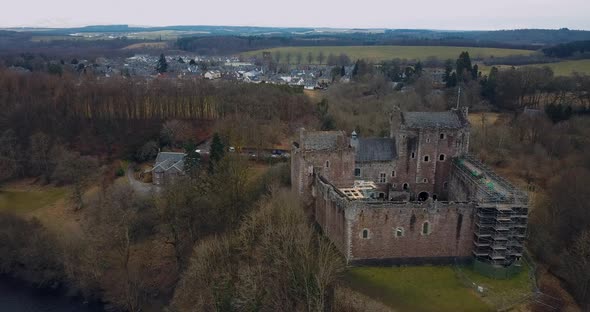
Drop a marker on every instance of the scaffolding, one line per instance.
(501, 213)
(485, 184)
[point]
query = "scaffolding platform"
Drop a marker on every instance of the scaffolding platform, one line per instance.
(501, 216)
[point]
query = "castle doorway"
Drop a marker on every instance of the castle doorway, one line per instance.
(423, 196)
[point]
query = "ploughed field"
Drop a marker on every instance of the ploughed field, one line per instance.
(381, 53)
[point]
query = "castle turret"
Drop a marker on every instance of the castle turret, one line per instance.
(394, 121)
(354, 140)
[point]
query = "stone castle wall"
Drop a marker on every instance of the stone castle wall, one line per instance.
(449, 234)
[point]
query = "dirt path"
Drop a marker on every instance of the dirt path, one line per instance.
(138, 186)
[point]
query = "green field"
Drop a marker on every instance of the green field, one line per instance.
(432, 288)
(17, 201)
(380, 53)
(565, 68)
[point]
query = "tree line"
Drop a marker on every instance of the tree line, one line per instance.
(116, 116)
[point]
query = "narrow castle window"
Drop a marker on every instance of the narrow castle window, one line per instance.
(327, 164)
(405, 186)
(441, 157)
(399, 232)
(365, 233)
(393, 173)
(442, 136)
(382, 177)
(413, 155)
(424, 180)
(427, 140)
(426, 158)
(357, 172)
(426, 228)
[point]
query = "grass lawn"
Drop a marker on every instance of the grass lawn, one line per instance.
(24, 201)
(419, 289)
(502, 292)
(380, 53)
(567, 68)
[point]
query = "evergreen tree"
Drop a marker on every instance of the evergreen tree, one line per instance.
(488, 84)
(418, 68)
(475, 72)
(355, 70)
(162, 66)
(191, 160)
(452, 81)
(217, 152)
(464, 65)
(448, 73)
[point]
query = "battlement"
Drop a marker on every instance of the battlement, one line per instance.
(347, 198)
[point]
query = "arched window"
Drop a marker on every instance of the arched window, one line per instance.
(399, 232)
(365, 233)
(426, 158)
(405, 186)
(413, 155)
(327, 164)
(441, 157)
(426, 228)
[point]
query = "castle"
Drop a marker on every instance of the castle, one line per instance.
(414, 197)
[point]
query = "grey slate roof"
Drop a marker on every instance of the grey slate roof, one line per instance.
(168, 160)
(375, 149)
(449, 120)
(322, 140)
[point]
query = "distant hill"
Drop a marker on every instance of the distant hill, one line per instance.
(234, 39)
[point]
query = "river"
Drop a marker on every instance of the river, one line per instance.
(15, 297)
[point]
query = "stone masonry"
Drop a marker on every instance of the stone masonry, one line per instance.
(424, 160)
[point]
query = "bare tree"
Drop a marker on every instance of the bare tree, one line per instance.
(309, 57)
(299, 57)
(321, 57)
(10, 165)
(73, 169)
(277, 55)
(40, 154)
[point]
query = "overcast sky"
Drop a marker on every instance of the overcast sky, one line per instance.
(423, 14)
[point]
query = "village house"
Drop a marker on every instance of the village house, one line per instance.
(212, 74)
(168, 166)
